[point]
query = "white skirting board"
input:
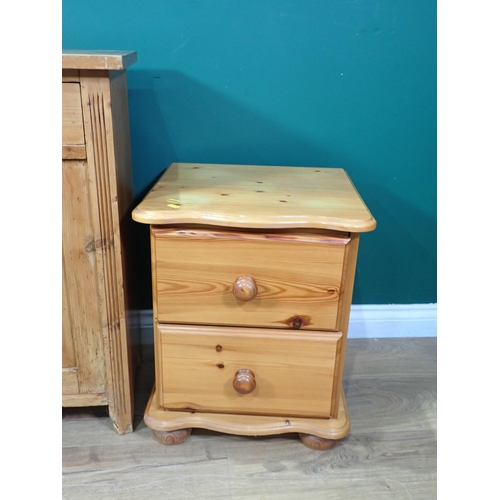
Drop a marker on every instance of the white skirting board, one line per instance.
(393, 320)
(366, 321)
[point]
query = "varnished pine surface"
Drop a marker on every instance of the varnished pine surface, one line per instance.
(199, 366)
(249, 196)
(200, 291)
(390, 452)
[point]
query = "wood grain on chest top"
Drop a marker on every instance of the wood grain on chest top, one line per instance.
(255, 197)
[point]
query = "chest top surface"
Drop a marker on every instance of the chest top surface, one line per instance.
(262, 197)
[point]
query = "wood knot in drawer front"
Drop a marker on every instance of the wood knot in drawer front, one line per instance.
(296, 322)
(218, 348)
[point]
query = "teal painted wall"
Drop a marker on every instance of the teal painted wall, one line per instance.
(348, 84)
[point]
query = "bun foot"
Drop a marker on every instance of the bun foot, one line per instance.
(172, 437)
(316, 442)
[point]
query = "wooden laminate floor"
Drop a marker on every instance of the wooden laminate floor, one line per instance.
(390, 452)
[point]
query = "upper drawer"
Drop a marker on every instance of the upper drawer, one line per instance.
(203, 276)
(73, 137)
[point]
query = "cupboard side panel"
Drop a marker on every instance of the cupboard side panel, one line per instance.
(80, 273)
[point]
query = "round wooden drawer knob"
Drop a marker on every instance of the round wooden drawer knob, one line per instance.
(244, 381)
(245, 288)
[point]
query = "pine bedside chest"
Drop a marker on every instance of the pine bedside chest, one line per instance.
(253, 272)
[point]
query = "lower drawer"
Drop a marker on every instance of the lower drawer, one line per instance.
(246, 370)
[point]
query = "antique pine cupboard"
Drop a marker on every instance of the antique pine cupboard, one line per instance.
(253, 271)
(98, 330)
